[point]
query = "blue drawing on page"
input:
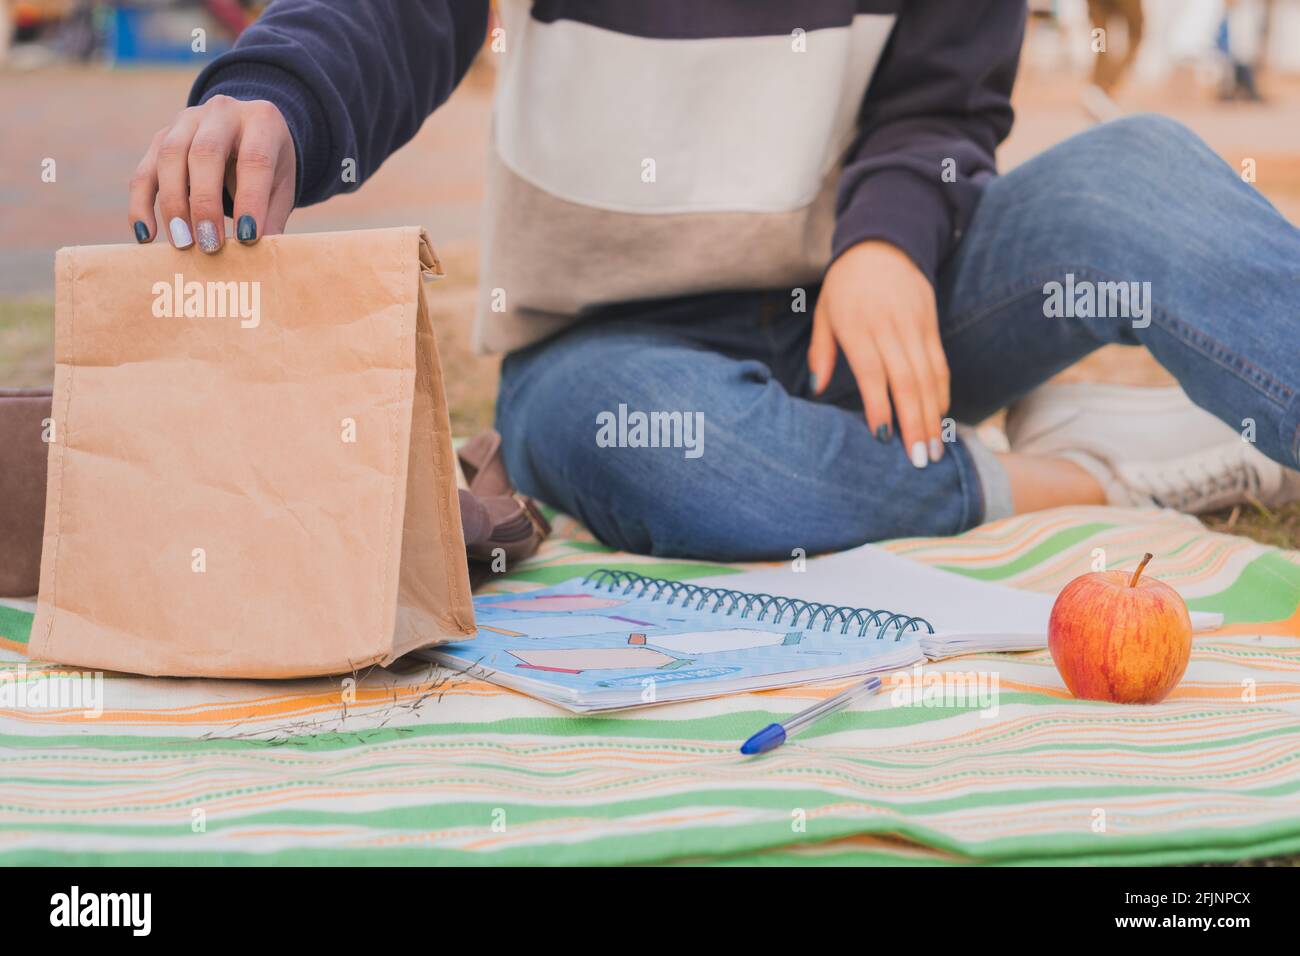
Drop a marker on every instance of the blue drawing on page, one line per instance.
(585, 635)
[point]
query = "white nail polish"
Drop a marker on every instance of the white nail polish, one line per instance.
(919, 459)
(180, 230)
(936, 449)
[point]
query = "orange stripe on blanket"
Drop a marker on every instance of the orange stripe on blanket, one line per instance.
(264, 709)
(1288, 627)
(1023, 542)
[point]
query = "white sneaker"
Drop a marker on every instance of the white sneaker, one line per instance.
(1148, 447)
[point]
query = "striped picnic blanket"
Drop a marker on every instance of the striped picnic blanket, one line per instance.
(413, 765)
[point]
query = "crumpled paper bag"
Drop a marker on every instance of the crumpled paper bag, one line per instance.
(251, 471)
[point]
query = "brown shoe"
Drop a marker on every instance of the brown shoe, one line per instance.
(498, 522)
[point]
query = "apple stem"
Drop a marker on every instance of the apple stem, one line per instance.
(1138, 573)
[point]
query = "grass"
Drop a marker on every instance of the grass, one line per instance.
(26, 343)
(470, 379)
(1279, 528)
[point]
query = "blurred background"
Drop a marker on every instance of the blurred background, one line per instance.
(84, 84)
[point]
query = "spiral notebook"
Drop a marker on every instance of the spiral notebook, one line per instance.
(615, 639)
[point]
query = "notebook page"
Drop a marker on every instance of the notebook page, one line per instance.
(971, 614)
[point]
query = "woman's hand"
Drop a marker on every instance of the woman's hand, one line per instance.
(243, 145)
(880, 308)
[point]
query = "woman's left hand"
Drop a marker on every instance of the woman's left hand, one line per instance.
(880, 309)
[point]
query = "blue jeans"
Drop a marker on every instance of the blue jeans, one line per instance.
(1138, 200)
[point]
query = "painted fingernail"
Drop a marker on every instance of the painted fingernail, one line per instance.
(209, 241)
(141, 231)
(936, 449)
(246, 229)
(918, 455)
(883, 434)
(180, 230)
(813, 382)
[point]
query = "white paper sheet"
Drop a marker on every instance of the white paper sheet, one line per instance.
(978, 614)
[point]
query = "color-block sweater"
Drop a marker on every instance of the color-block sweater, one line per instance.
(651, 148)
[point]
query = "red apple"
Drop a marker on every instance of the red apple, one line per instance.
(1115, 637)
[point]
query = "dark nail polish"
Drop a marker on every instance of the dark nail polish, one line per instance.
(882, 433)
(141, 232)
(246, 229)
(813, 382)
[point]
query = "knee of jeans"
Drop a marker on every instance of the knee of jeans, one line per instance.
(543, 403)
(1120, 183)
(551, 420)
(1136, 153)
(1145, 132)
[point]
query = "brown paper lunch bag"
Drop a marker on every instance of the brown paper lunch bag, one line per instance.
(251, 473)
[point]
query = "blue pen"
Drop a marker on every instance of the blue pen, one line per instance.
(774, 735)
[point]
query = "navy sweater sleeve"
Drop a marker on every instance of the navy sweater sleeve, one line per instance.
(353, 78)
(942, 92)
